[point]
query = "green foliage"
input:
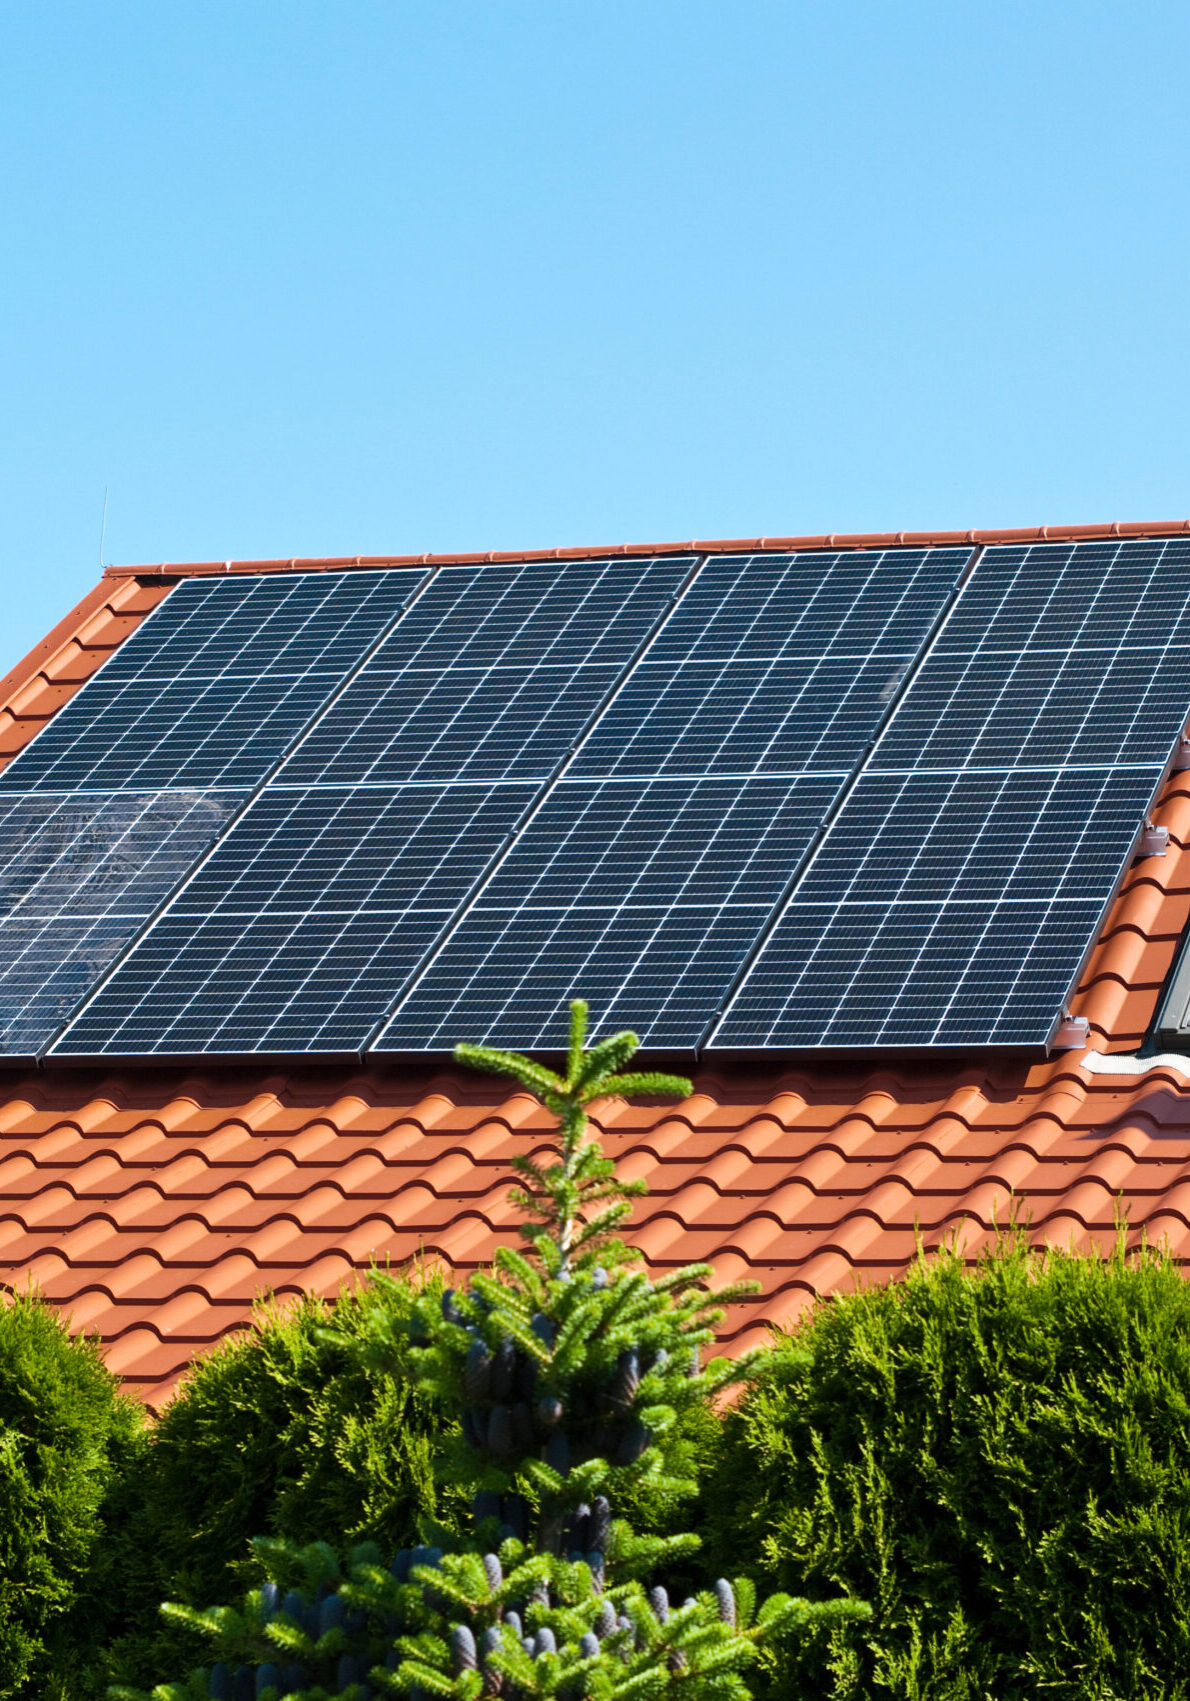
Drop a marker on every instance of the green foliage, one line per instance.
(65, 1436)
(999, 1460)
(569, 1368)
(284, 1431)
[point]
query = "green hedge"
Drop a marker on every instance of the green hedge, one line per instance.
(282, 1431)
(67, 1437)
(998, 1460)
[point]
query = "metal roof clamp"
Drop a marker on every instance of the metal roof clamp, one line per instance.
(1153, 841)
(1071, 1034)
(1181, 756)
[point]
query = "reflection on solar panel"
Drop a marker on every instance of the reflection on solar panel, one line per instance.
(958, 889)
(111, 805)
(650, 871)
(303, 926)
(78, 875)
(215, 685)
(300, 931)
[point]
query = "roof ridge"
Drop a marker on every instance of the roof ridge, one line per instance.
(700, 546)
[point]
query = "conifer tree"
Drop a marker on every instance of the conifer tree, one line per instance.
(566, 1364)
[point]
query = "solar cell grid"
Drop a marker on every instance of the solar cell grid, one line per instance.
(301, 929)
(215, 684)
(78, 875)
(861, 602)
(648, 896)
(494, 674)
(663, 845)
(797, 715)
(957, 891)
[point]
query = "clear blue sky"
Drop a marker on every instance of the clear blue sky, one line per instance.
(349, 277)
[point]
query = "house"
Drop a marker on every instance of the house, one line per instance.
(155, 1195)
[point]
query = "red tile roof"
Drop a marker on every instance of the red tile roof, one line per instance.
(155, 1204)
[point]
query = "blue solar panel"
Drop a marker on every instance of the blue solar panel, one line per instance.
(494, 675)
(79, 874)
(649, 873)
(300, 931)
(959, 888)
(214, 686)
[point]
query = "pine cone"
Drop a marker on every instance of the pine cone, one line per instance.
(659, 1602)
(219, 1681)
(500, 1433)
(493, 1680)
(503, 1370)
(494, 1572)
(588, 1645)
(725, 1601)
(331, 1614)
(578, 1532)
(524, 1437)
(524, 1378)
(515, 1511)
(294, 1607)
(549, 1410)
(544, 1329)
(450, 1311)
(621, 1390)
(463, 1655)
(601, 1523)
(606, 1622)
(632, 1443)
(477, 1373)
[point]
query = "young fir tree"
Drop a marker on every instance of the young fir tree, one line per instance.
(566, 1363)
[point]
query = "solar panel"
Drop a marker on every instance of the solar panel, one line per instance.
(107, 810)
(646, 877)
(958, 889)
(79, 873)
(213, 687)
(493, 676)
(303, 926)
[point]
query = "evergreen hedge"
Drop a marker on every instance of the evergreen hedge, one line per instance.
(66, 1438)
(998, 1460)
(283, 1431)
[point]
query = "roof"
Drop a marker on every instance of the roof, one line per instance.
(155, 1204)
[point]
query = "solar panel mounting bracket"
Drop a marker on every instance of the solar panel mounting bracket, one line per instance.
(1181, 756)
(1071, 1034)
(1153, 841)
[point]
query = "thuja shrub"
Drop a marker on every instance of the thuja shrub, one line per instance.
(66, 1436)
(998, 1459)
(284, 1431)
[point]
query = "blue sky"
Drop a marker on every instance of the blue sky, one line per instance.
(338, 278)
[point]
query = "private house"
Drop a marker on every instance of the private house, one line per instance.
(880, 838)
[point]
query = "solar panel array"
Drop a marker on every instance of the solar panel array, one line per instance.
(745, 802)
(303, 926)
(961, 884)
(136, 776)
(650, 871)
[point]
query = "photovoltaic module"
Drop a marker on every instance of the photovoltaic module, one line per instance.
(740, 802)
